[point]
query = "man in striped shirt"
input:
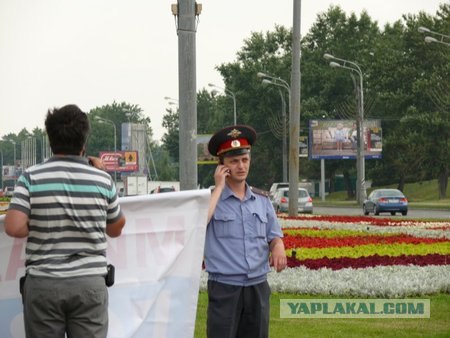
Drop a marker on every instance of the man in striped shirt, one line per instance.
(65, 207)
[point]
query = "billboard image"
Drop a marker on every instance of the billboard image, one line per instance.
(303, 146)
(337, 139)
(203, 155)
(120, 161)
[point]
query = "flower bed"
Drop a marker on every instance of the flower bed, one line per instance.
(363, 256)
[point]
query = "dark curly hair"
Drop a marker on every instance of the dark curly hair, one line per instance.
(67, 129)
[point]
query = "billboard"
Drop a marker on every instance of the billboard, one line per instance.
(336, 139)
(303, 146)
(203, 155)
(121, 161)
(135, 137)
(9, 172)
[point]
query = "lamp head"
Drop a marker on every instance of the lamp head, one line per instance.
(260, 74)
(327, 56)
(422, 29)
(335, 64)
(429, 39)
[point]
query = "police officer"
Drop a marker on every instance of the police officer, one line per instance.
(243, 239)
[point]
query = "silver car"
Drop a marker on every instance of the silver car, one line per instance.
(280, 201)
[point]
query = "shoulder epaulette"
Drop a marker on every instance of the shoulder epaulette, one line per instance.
(260, 191)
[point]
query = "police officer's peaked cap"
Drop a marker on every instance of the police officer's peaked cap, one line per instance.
(232, 140)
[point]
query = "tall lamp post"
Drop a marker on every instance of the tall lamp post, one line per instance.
(276, 81)
(430, 39)
(171, 100)
(14, 164)
(229, 93)
(360, 159)
(1, 173)
(103, 120)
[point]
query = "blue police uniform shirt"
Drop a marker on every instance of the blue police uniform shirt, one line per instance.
(238, 237)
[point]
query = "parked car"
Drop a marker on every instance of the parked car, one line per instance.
(275, 186)
(386, 200)
(9, 191)
(162, 189)
(280, 201)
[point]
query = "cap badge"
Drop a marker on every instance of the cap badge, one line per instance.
(235, 143)
(234, 133)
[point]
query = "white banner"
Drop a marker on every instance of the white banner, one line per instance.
(158, 262)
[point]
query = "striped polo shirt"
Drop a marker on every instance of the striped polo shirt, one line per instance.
(68, 203)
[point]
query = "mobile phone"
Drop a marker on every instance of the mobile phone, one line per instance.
(109, 278)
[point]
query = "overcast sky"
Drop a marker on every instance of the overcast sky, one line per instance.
(94, 52)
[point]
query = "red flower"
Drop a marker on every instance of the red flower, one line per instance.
(291, 242)
(371, 261)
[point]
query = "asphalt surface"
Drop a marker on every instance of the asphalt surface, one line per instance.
(354, 211)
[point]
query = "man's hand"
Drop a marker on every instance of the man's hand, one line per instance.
(221, 173)
(277, 258)
(96, 162)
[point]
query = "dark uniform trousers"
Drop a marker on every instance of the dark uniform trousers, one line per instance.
(238, 311)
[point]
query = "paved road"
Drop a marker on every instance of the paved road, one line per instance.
(412, 213)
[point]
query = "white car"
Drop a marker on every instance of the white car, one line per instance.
(9, 191)
(280, 201)
(276, 186)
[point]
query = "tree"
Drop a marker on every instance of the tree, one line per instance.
(102, 137)
(398, 69)
(118, 113)
(170, 140)
(411, 77)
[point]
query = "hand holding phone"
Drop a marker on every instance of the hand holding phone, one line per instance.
(96, 162)
(221, 173)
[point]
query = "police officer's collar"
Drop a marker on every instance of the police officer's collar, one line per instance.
(227, 192)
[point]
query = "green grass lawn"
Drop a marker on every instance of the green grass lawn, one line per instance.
(420, 195)
(438, 325)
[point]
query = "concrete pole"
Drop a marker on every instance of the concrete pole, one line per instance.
(234, 110)
(322, 179)
(1, 171)
(294, 121)
(362, 168)
(115, 150)
(187, 96)
(284, 148)
(15, 177)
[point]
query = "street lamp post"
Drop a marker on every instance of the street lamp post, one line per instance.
(276, 81)
(430, 39)
(14, 164)
(230, 94)
(171, 100)
(1, 173)
(103, 120)
(360, 159)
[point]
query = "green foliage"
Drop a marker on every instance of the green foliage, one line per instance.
(166, 169)
(170, 139)
(405, 85)
(117, 113)
(423, 194)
